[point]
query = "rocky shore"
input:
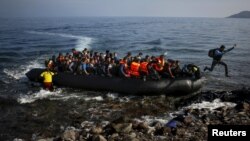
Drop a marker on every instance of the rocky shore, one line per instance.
(186, 123)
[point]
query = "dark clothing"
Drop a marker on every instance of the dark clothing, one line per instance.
(217, 60)
(48, 86)
(191, 70)
(122, 71)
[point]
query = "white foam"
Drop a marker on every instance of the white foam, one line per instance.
(211, 105)
(82, 41)
(112, 96)
(203, 105)
(65, 98)
(115, 96)
(97, 98)
(151, 119)
(42, 94)
(19, 72)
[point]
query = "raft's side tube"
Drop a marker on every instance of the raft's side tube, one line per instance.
(34, 75)
(181, 86)
(114, 84)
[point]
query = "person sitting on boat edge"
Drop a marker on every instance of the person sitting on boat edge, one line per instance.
(123, 69)
(47, 77)
(152, 72)
(170, 69)
(192, 71)
(84, 66)
(144, 67)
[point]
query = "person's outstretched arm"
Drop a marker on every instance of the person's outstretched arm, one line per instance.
(230, 49)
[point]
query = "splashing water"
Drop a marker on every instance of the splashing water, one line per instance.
(42, 94)
(211, 105)
(97, 98)
(19, 72)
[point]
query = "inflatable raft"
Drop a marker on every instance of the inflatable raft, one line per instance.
(179, 86)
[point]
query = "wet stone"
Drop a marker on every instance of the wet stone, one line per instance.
(122, 127)
(98, 138)
(70, 135)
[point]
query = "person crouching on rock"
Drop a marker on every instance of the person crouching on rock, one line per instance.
(47, 76)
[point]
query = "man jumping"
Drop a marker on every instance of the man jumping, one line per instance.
(217, 59)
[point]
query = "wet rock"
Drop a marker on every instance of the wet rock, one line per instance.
(143, 126)
(157, 125)
(122, 127)
(160, 131)
(188, 120)
(70, 135)
(47, 139)
(113, 137)
(98, 138)
(121, 119)
(16, 139)
(130, 137)
(150, 130)
(96, 130)
(243, 106)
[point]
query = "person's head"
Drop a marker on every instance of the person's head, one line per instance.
(161, 56)
(136, 60)
(129, 54)
(177, 62)
(140, 54)
(107, 51)
(222, 47)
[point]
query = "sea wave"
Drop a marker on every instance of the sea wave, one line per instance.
(42, 94)
(82, 41)
(19, 72)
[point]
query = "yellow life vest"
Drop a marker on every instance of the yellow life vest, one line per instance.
(47, 75)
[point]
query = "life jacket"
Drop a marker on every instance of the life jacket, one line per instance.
(134, 69)
(159, 66)
(144, 67)
(47, 76)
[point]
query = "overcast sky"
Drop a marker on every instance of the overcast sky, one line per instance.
(152, 8)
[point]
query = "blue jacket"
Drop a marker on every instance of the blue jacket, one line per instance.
(219, 54)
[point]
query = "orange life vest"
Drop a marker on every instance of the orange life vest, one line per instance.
(143, 67)
(134, 69)
(160, 65)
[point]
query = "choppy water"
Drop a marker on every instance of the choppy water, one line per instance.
(26, 43)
